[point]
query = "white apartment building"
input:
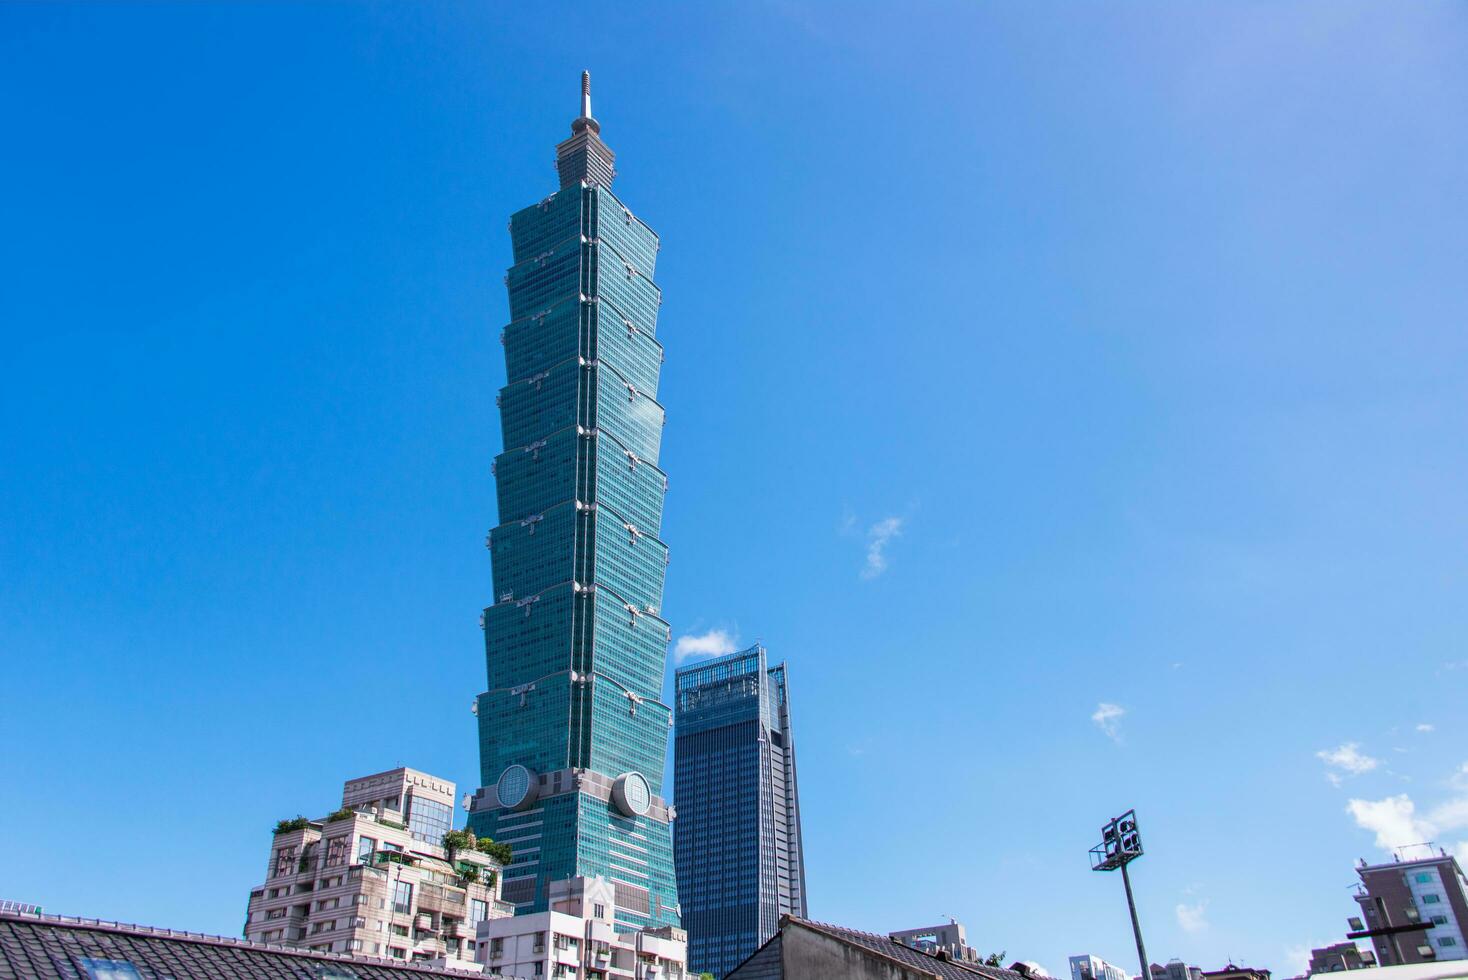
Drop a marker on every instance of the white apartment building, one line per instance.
(373, 878)
(577, 939)
(1088, 967)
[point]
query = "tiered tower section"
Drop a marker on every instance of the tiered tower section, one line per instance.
(572, 732)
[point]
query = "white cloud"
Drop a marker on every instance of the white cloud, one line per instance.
(878, 535)
(1393, 820)
(1191, 918)
(1425, 728)
(714, 643)
(1107, 717)
(1452, 815)
(1345, 760)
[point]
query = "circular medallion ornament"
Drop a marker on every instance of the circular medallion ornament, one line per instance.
(517, 787)
(631, 795)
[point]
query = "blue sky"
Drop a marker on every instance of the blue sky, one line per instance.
(1072, 394)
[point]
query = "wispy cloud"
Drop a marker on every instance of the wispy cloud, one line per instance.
(714, 643)
(1345, 760)
(1424, 728)
(1107, 717)
(1191, 918)
(878, 536)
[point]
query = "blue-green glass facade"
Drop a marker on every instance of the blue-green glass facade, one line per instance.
(574, 641)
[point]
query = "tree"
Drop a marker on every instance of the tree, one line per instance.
(294, 823)
(995, 959)
(458, 840)
(502, 853)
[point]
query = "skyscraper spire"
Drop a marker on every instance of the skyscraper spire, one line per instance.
(584, 158)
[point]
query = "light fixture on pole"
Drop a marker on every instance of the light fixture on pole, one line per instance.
(1121, 844)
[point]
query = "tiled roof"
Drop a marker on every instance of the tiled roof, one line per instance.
(918, 959)
(51, 947)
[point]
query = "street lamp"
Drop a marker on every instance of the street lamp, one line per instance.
(1121, 844)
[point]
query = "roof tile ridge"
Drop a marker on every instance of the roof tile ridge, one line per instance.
(112, 926)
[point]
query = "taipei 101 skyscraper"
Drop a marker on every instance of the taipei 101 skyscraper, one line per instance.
(572, 730)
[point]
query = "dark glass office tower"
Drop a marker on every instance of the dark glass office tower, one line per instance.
(737, 837)
(572, 734)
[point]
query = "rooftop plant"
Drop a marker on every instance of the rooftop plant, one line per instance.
(290, 824)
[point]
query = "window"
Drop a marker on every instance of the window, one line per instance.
(539, 969)
(1447, 941)
(1431, 898)
(336, 850)
(478, 910)
(399, 954)
(402, 896)
(1424, 879)
(496, 947)
(400, 930)
(110, 969)
(599, 911)
(365, 848)
(429, 820)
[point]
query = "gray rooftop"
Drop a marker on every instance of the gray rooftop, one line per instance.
(53, 947)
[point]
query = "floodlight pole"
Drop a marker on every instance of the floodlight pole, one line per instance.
(1131, 904)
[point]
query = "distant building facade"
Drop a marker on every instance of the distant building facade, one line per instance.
(1088, 967)
(950, 938)
(373, 877)
(578, 938)
(1233, 972)
(1338, 957)
(1176, 970)
(1430, 890)
(737, 838)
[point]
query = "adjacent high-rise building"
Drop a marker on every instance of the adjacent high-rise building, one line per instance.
(740, 862)
(1429, 890)
(573, 735)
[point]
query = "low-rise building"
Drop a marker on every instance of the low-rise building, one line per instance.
(1338, 957)
(1233, 972)
(806, 950)
(577, 939)
(1421, 887)
(951, 938)
(373, 877)
(1089, 967)
(1176, 969)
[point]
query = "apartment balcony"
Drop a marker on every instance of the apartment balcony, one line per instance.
(438, 898)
